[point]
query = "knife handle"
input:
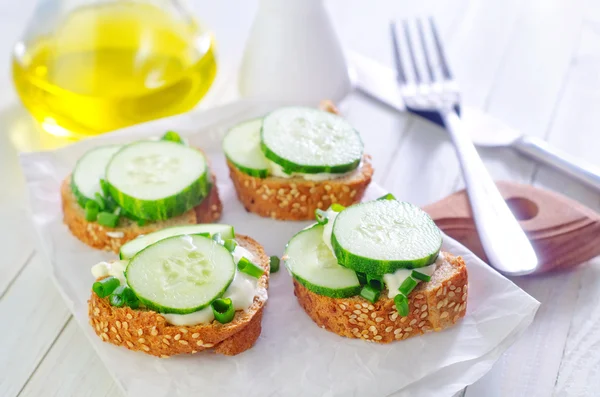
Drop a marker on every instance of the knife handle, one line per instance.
(542, 151)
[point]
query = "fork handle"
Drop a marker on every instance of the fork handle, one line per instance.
(505, 243)
(540, 150)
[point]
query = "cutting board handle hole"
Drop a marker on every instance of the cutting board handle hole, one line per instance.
(522, 208)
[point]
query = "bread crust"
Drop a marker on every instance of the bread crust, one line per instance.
(111, 239)
(296, 198)
(147, 331)
(433, 306)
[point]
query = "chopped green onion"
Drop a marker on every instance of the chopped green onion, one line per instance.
(106, 286)
(91, 211)
(117, 300)
(100, 200)
(401, 304)
(408, 285)
(370, 293)
(117, 211)
(104, 187)
(337, 207)
(362, 278)
(111, 204)
(223, 310)
(230, 244)
(388, 196)
(108, 219)
(376, 282)
(245, 266)
(274, 264)
(172, 136)
(321, 216)
(217, 238)
(420, 276)
(123, 295)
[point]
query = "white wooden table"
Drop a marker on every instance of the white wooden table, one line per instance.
(534, 64)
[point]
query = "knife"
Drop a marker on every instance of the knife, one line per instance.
(378, 82)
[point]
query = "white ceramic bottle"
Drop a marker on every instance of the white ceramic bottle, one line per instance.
(293, 54)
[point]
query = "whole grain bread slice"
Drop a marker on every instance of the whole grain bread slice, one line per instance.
(112, 238)
(433, 306)
(297, 198)
(147, 331)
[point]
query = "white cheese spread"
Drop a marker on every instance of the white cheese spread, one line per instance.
(394, 280)
(276, 170)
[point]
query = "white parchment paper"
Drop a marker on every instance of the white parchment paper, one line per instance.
(293, 357)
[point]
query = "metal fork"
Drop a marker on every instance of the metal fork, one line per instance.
(428, 89)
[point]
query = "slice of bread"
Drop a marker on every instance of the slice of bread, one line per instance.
(296, 198)
(147, 331)
(433, 305)
(111, 239)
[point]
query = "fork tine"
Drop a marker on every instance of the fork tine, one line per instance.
(411, 51)
(397, 54)
(425, 50)
(440, 50)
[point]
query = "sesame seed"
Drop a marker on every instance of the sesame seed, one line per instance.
(440, 304)
(168, 336)
(105, 329)
(194, 351)
(324, 197)
(439, 292)
(303, 198)
(378, 319)
(364, 310)
(360, 319)
(389, 329)
(265, 197)
(127, 334)
(416, 311)
(419, 296)
(129, 316)
(312, 190)
(353, 315)
(403, 319)
(342, 306)
(166, 342)
(363, 315)
(154, 332)
(145, 348)
(96, 311)
(209, 344)
(141, 340)
(352, 321)
(118, 337)
(104, 336)
(372, 328)
(408, 329)
(452, 287)
(424, 315)
(445, 291)
(199, 343)
(140, 332)
(458, 290)
(464, 297)
(451, 294)
(347, 314)
(355, 330)
(356, 312)
(118, 323)
(365, 332)
(397, 331)
(183, 342)
(129, 344)
(451, 304)
(165, 356)
(357, 306)
(353, 193)
(113, 329)
(377, 337)
(183, 330)
(398, 336)
(394, 316)
(444, 315)
(412, 322)
(365, 305)
(177, 337)
(423, 308)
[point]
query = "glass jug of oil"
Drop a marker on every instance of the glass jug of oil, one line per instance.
(85, 67)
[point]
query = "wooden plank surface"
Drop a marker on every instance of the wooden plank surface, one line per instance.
(534, 64)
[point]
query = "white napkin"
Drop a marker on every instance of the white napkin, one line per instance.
(292, 356)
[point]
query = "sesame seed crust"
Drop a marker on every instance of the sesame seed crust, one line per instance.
(148, 331)
(98, 236)
(428, 308)
(297, 198)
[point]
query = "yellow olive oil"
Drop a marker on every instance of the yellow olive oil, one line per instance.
(113, 65)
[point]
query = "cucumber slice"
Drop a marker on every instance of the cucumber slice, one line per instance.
(242, 148)
(157, 180)
(85, 180)
(129, 249)
(312, 263)
(310, 141)
(382, 236)
(180, 274)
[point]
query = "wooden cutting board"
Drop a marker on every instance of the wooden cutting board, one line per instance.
(563, 232)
